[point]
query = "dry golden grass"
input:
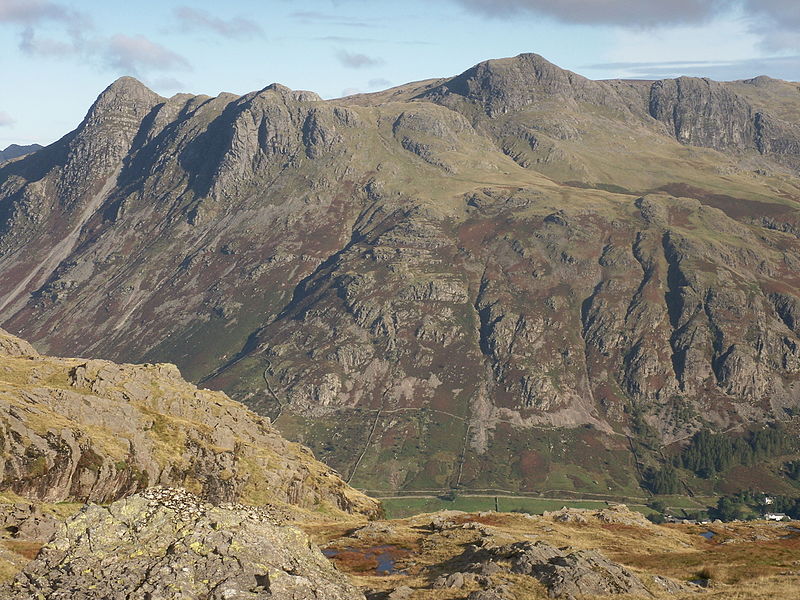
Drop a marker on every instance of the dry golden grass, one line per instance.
(743, 560)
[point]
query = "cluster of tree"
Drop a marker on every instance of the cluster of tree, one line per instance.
(711, 453)
(792, 469)
(747, 505)
(657, 517)
(786, 504)
(662, 481)
(644, 433)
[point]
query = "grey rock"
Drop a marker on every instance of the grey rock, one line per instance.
(566, 573)
(170, 545)
(28, 522)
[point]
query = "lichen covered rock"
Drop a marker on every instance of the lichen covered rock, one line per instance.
(169, 545)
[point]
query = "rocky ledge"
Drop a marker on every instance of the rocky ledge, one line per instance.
(168, 544)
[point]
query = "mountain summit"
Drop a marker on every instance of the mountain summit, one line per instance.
(15, 151)
(515, 278)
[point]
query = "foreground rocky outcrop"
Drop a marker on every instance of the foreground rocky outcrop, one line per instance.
(423, 282)
(90, 430)
(169, 545)
(564, 573)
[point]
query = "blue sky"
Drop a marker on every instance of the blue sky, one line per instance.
(57, 55)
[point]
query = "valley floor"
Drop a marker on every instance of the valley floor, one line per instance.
(407, 505)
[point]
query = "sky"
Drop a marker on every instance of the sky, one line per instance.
(56, 56)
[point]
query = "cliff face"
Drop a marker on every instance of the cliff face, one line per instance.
(421, 283)
(88, 430)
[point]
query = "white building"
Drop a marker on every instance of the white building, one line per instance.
(775, 517)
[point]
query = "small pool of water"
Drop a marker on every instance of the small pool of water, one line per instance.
(708, 534)
(384, 557)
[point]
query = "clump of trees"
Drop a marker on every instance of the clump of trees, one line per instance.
(662, 481)
(792, 469)
(712, 453)
(747, 505)
(660, 509)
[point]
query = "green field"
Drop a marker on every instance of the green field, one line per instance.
(397, 508)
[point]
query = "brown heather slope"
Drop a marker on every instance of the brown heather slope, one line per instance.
(81, 430)
(515, 278)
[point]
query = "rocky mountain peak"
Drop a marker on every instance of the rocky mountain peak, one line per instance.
(123, 104)
(763, 81)
(455, 266)
(128, 90)
(510, 84)
(15, 151)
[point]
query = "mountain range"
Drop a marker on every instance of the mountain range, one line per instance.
(15, 151)
(516, 278)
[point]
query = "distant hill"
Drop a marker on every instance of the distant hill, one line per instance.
(15, 151)
(516, 278)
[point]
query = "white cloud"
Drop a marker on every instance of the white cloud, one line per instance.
(355, 60)
(132, 54)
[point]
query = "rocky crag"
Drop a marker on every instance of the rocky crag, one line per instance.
(168, 544)
(85, 430)
(423, 282)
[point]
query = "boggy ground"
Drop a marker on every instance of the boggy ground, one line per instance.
(454, 555)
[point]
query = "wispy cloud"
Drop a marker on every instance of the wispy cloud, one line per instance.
(32, 12)
(133, 54)
(777, 22)
(317, 17)
(193, 19)
(344, 39)
(6, 120)
(71, 34)
(32, 44)
(786, 67)
(29, 15)
(355, 60)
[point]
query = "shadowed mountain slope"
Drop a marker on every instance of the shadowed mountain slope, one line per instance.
(15, 151)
